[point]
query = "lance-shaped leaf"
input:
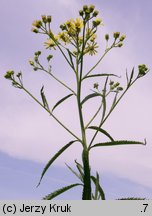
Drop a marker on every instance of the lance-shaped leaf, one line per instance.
(131, 76)
(80, 169)
(102, 131)
(104, 99)
(74, 172)
(54, 158)
(70, 55)
(60, 101)
(90, 96)
(114, 101)
(60, 191)
(99, 75)
(96, 182)
(127, 77)
(44, 100)
(119, 142)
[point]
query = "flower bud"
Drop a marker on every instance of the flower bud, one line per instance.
(37, 23)
(85, 8)
(95, 85)
(63, 27)
(122, 37)
(116, 84)
(37, 53)
(120, 89)
(44, 19)
(34, 30)
(116, 35)
(95, 13)
(31, 62)
(49, 19)
(120, 45)
(111, 82)
(49, 57)
(96, 22)
(107, 37)
(81, 12)
(19, 74)
(35, 68)
(36, 58)
(91, 8)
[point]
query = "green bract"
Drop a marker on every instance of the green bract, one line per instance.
(76, 39)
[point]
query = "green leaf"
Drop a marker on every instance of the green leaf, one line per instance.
(104, 99)
(119, 142)
(131, 76)
(95, 180)
(75, 173)
(70, 55)
(127, 77)
(80, 169)
(59, 191)
(114, 102)
(102, 131)
(97, 186)
(90, 96)
(60, 101)
(98, 75)
(44, 100)
(54, 158)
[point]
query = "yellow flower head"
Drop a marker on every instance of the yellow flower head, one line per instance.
(37, 23)
(78, 23)
(97, 22)
(70, 24)
(91, 49)
(63, 36)
(49, 44)
(93, 37)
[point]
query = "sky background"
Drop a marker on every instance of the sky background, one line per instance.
(29, 137)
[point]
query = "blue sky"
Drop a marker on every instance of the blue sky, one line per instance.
(28, 137)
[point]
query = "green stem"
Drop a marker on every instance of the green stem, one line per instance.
(86, 195)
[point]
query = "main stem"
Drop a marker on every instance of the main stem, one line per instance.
(86, 195)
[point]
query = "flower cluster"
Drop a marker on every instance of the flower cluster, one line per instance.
(38, 26)
(115, 86)
(35, 63)
(79, 32)
(88, 12)
(10, 76)
(142, 70)
(118, 39)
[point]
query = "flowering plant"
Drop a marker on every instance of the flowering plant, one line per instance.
(77, 39)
